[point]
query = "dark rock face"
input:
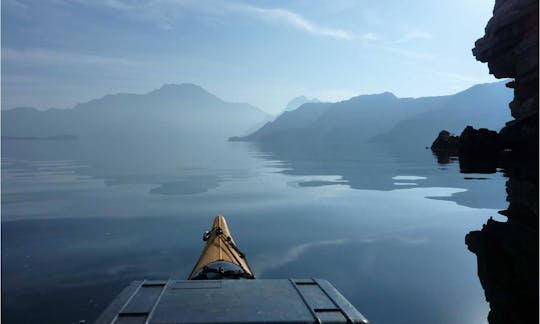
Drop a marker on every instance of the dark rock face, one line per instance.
(478, 163)
(507, 252)
(477, 150)
(481, 141)
(471, 141)
(510, 47)
(504, 272)
(445, 141)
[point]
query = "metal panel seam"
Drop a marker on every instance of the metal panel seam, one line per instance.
(317, 319)
(349, 319)
(127, 301)
(157, 302)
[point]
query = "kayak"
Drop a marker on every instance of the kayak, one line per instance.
(206, 298)
(220, 258)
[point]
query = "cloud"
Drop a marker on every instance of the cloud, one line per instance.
(294, 20)
(165, 12)
(414, 35)
(409, 53)
(293, 253)
(369, 37)
(465, 78)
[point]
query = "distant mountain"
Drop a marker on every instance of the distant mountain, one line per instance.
(299, 101)
(386, 118)
(290, 111)
(482, 106)
(172, 110)
(288, 123)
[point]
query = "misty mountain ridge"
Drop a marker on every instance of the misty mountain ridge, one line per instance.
(481, 106)
(299, 101)
(172, 109)
(385, 118)
(186, 96)
(187, 110)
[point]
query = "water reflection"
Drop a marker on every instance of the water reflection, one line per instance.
(507, 252)
(78, 225)
(383, 167)
(166, 166)
(484, 164)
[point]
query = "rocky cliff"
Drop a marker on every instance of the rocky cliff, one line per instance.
(510, 48)
(507, 252)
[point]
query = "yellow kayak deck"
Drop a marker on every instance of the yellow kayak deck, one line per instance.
(220, 246)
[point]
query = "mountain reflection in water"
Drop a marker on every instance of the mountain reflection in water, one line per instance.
(80, 220)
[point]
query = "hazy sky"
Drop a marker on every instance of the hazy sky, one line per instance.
(56, 53)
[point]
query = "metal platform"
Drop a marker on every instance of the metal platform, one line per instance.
(231, 301)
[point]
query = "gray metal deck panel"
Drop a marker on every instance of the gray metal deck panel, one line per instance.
(231, 301)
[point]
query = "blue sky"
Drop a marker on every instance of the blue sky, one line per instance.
(56, 53)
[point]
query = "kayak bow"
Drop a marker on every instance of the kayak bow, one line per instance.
(229, 301)
(220, 258)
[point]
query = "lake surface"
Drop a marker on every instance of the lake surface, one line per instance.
(82, 219)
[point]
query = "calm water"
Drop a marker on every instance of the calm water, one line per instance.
(81, 219)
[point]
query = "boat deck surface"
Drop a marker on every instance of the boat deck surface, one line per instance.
(231, 301)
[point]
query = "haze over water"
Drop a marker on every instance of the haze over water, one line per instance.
(81, 219)
(167, 113)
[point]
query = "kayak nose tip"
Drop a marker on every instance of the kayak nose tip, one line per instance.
(219, 221)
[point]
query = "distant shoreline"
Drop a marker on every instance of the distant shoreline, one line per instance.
(66, 137)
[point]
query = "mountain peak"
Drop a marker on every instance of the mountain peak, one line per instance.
(184, 91)
(183, 87)
(388, 94)
(376, 96)
(299, 101)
